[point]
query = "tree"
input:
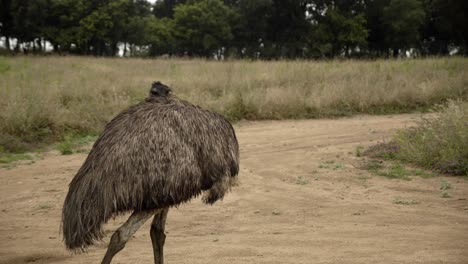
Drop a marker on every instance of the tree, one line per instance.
(26, 22)
(403, 20)
(339, 27)
(288, 28)
(62, 24)
(446, 25)
(6, 21)
(134, 25)
(102, 29)
(376, 29)
(165, 8)
(202, 27)
(251, 24)
(160, 36)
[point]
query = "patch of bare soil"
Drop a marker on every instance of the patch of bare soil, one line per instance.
(302, 199)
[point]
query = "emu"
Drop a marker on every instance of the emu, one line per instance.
(155, 155)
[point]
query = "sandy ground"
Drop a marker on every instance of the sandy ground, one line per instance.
(288, 208)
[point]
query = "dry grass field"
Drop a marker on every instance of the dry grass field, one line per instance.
(44, 99)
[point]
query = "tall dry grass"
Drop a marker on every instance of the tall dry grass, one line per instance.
(438, 142)
(44, 98)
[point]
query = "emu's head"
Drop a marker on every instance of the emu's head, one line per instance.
(159, 89)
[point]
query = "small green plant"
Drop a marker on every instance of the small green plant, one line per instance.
(445, 185)
(301, 180)
(72, 143)
(276, 212)
(359, 151)
(44, 206)
(12, 157)
(423, 173)
(331, 164)
(65, 147)
(395, 171)
(445, 194)
(404, 201)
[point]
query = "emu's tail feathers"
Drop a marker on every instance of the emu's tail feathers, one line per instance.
(82, 218)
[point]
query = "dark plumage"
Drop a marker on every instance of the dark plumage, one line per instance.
(157, 154)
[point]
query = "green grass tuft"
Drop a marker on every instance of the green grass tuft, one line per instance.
(73, 143)
(445, 185)
(404, 201)
(331, 164)
(395, 171)
(445, 194)
(301, 180)
(359, 151)
(65, 147)
(13, 157)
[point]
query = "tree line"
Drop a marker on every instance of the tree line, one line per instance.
(265, 29)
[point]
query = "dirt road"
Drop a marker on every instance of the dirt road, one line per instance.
(292, 206)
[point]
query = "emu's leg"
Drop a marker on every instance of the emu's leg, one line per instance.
(125, 232)
(157, 235)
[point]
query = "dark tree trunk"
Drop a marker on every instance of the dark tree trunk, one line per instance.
(39, 44)
(114, 49)
(17, 47)
(7, 43)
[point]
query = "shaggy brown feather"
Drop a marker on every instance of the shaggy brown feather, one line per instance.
(159, 153)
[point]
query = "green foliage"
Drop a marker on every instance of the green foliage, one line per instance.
(338, 32)
(242, 28)
(446, 25)
(403, 19)
(202, 27)
(71, 143)
(160, 36)
(251, 23)
(65, 147)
